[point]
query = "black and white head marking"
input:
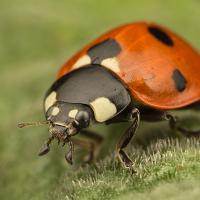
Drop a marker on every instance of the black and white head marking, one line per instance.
(64, 114)
(72, 113)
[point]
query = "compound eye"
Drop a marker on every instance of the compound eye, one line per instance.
(83, 118)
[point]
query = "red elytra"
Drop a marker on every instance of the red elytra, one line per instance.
(160, 69)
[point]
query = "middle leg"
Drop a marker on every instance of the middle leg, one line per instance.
(91, 146)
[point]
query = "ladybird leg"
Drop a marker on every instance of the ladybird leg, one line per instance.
(46, 147)
(97, 141)
(126, 138)
(90, 146)
(173, 125)
(69, 153)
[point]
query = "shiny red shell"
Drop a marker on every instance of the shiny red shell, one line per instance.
(151, 66)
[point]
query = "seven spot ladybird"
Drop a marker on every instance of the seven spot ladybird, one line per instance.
(135, 72)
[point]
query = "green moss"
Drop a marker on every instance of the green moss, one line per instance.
(162, 163)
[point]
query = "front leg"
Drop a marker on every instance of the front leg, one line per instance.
(134, 118)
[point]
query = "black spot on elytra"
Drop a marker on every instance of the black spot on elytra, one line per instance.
(107, 49)
(179, 80)
(161, 35)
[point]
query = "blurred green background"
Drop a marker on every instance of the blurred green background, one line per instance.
(36, 37)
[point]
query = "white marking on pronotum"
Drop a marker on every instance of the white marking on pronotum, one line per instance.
(84, 60)
(111, 63)
(72, 113)
(50, 100)
(103, 109)
(55, 111)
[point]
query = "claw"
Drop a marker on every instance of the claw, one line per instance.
(126, 161)
(44, 150)
(69, 154)
(68, 157)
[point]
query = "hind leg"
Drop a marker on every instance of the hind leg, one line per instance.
(174, 126)
(155, 115)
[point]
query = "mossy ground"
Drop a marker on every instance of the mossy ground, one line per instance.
(36, 37)
(167, 167)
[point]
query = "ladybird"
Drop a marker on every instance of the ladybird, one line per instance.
(138, 71)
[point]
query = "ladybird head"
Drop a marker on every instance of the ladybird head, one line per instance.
(66, 119)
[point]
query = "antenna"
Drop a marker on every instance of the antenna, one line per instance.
(22, 125)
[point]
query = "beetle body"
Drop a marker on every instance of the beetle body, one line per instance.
(136, 71)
